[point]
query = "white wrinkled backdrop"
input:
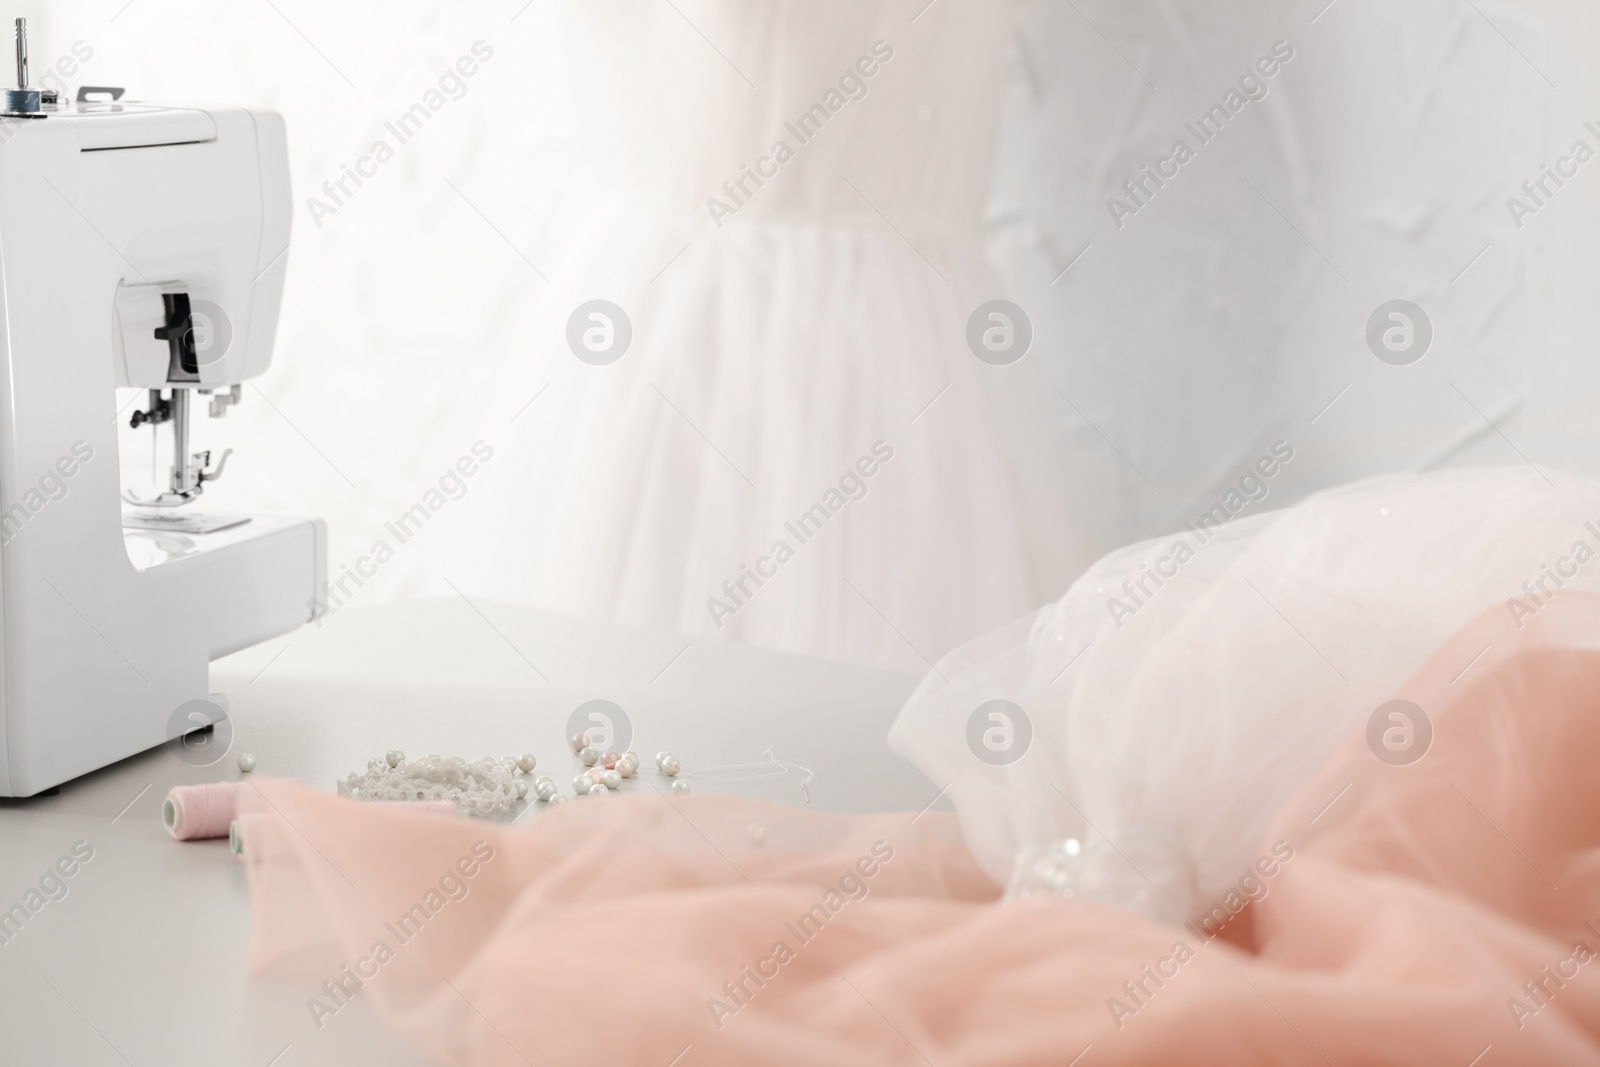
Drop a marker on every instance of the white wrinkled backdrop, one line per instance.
(1222, 318)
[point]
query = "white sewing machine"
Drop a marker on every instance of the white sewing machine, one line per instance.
(141, 247)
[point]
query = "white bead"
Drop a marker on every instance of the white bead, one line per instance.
(580, 742)
(522, 789)
(598, 789)
(612, 780)
(581, 784)
(545, 790)
(247, 762)
(670, 766)
(543, 778)
(558, 798)
(527, 762)
(680, 786)
(626, 767)
(631, 755)
(395, 757)
(662, 757)
(589, 757)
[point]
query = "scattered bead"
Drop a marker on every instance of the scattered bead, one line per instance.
(526, 763)
(680, 786)
(608, 759)
(670, 766)
(595, 774)
(545, 790)
(589, 757)
(558, 798)
(612, 780)
(580, 784)
(395, 757)
(631, 755)
(543, 778)
(598, 790)
(662, 757)
(522, 789)
(247, 762)
(580, 742)
(626, 767)
(758, 833)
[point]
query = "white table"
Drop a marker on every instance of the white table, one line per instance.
(143, 961)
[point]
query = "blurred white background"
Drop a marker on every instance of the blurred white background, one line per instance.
(1223, 317)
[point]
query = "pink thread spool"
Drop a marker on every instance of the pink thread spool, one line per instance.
(197, 812)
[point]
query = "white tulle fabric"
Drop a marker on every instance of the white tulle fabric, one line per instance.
(1163, 746)
(771, 353)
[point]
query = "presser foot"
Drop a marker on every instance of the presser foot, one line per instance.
(174, 498)
(168, 499)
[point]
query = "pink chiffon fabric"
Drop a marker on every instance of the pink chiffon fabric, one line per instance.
(1443, 912)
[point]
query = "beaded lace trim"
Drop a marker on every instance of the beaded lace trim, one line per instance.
(483, 787)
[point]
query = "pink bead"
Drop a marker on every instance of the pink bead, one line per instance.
(594, 774)
(625, 768)
(609, 760)
(580, 742)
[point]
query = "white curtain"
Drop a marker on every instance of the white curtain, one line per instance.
(1221, 318)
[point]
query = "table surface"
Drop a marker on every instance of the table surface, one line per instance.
(143, 960)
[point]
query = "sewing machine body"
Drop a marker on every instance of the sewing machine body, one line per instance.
(120, 222)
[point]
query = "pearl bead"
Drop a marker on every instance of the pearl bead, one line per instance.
(542, 779)
(662, 757)
(609, 758)
(395, 757)
(631, 755)
(526, 763)
(626, 767)
(670, 766)
(247, 762)
(545, 790)
(580, 784)
(680, 786)
(580, 742)
(612, 779)
(558, 798)
(595, 774)
(589, 756)
(598, 789)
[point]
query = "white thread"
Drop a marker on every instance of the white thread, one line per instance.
(771, 766)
